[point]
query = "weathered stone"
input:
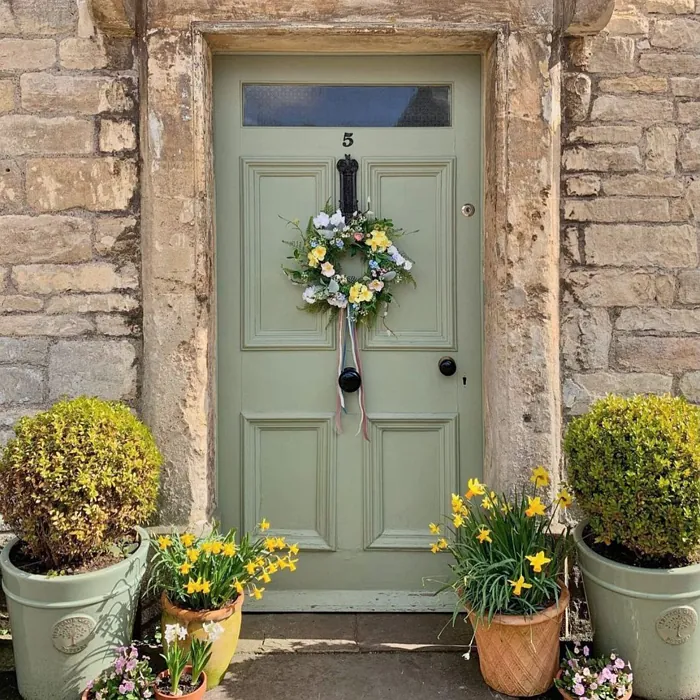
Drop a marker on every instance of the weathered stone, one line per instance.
(77, 53)
(89, 303)
(602, 158)
(659, 149)
(628, 21)
(670, 63)
(689, 151)
(28, 134)
(692, 198)
(88, 277)
(27, 54)
(114, 324)
(104, 368)
(40, 325)
(689, 287)
(638, 246)
(689, 113)
(60, 94)
(659, 320)
(606, 134)
(685, 87)
(117, 136)
(18, 302)
(639, 185)
(617, 209)
(41, 17)
(603, 53)
(99, 184)
(21, 385)
(32, 351)
(638, 83)
(570, 248)
(582, 185)
(618, 288)
(654, 354)
(577, 89)
(11, 189)
(680, 34)
(680, 210)
(56, 239)
(10, 416)
(690, 386)
(581, 390)
(672, 7)
(7, 96)
(586, 336)
(117, 235)
(632, 108)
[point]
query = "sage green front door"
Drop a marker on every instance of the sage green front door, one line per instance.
(359, 510)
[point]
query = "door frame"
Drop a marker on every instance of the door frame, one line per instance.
(520, 241)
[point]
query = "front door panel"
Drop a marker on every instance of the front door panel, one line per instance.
(359, 510)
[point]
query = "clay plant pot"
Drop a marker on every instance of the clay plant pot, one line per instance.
(196, 695)
(564, 694)
(518, 654)
(224, 647)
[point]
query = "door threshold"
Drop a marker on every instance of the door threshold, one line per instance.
(351, 601)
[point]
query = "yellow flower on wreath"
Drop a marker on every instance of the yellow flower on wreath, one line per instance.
(519, 585)
(564, 498)
(378, 241)
(537, 561)
(476, 488)
(359, 292)
(540, 476)
(535, 507)
(484, 535)
(187, 539)
(164, 542)
(316, 255)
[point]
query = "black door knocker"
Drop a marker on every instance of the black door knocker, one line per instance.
(349, 380)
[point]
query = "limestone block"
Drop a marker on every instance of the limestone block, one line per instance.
(685, 87)
(32, 351)
(641, 245)
(42, 17)
(628, 20)
(689, 287)
(692, 199)
(23, 385)
(45, 238)
(680, 34)
(7, 96)
(104, 368)
(638, 83)
(98, 184)
(659, 149)
(606, 134)
(617, 209)
(27, 54)
(659, 320)
(670, 63)
(654, 354)
(41, 325)
(689, 151)
(90, 303)
(117, 136)
(114, 324)
(11, 187)
(22, 134)
(633, 108)
(570, 248)
(585, 337)
(678, 7)
(690, 386)
(602, 158)
(61, 94)
(577, 96)
(93, 53)
(689, 113)
(582, 185)
(603, 53)
(10, 303)
(88, 277)
(642, 185)
(619, 288)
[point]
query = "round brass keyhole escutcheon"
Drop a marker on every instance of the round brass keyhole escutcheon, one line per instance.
(468, 210)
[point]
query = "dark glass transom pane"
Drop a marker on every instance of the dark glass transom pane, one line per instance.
(346, 105)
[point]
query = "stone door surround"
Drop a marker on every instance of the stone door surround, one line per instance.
(519, 41)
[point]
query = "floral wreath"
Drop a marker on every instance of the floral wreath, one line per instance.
(327, 240)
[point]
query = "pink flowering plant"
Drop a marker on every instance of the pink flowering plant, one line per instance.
(130, 677)
(594, 678)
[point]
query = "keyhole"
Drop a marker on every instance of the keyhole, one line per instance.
(464, 381)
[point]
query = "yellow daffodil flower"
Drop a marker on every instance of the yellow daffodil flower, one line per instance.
(458, 520)
(434, 529)
(442, 543)
(281, 544)
(292, 564)
(506, 508)
(476, 488)
(488, 502)
(434, 548)
(192, 587)
(250, 568)
(258, 592)
(359, 292)
(540, 476)
(264, 577)
(205, 586)
(270, 544)
(229, 549)
(537, 561)
(564, 498)
(519, 585)
(536, 507)
(238, 586)
(282, 563)
(207, 547)
(294, 549)
(164, 542)
(272, 568)
(193, 555)
(457, 503)
(185, 568)
(187, 539)
(264, 525)
(216, 547)
(484, 535)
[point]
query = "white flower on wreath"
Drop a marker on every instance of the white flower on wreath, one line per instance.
(321, 220)
(327, 269)
(407, 265)
(376, 285)
(339, 300)
(309, 295)
(337, 220)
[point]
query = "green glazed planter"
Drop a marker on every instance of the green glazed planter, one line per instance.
(650, 618)
(65, 628)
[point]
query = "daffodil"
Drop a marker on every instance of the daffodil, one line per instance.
(193, 555)
(294, 549)
(457, 503)
(488, 502)
(283, 564)
(519, 585)
(270, 544)
(164, 542)
(537, 561)
(264, 577)
(264, 525)
(484, 535)
(229, 549)
(257, 592)
(540, 476)
(475, 488)
(564, 498)
(250, 568)
(442, 543)
(434, 529)
(238, 586)
(187, 539)
(458, 520)
(207, 547)
(185, 568)
(535, 507)
(292, 564)
(280, 543)
(205, 586)
(434, 548)
(192, 587)
(216, 547)
(272, 568)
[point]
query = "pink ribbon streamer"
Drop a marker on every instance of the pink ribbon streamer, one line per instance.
(358, 364)
(340, 399)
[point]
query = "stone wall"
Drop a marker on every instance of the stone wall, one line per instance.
(631, 205)
(69, 250)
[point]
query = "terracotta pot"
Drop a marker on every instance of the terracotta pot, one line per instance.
(519, 655)
(564, 694)
(224, 647)
(197, 695)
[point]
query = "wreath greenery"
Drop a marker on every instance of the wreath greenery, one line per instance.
(319, 253)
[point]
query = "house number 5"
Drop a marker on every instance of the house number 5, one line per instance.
(348, 140)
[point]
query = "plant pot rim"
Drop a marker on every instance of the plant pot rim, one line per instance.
(7, 566)
(569, 696)
(549, 613)
(162, 674)
(592, 554)
(201, 615)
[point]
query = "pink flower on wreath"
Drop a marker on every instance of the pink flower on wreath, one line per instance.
(358, 236)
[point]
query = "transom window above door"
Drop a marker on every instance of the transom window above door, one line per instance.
(285, 105)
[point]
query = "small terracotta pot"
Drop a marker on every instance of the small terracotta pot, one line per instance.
(224, 647)
(519, 654)
(566, 695)
(197, 695)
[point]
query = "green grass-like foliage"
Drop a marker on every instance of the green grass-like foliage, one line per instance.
(634, 466)
(77, 478)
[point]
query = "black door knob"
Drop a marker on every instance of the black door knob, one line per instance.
(349, 380)
(447, 366)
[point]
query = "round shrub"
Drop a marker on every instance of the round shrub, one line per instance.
(634, 467)
(77, 478)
